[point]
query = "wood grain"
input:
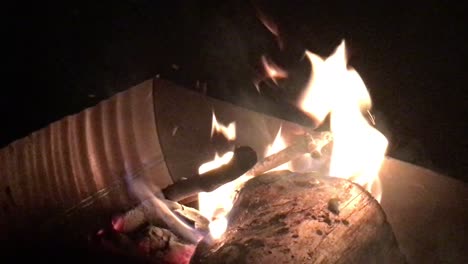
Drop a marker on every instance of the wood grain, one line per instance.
(284, 217)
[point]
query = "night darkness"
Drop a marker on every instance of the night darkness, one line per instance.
(63, 57)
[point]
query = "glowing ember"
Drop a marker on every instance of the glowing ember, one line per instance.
(358, 148)
(229, 132)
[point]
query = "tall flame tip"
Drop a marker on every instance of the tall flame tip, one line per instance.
(337, 89)
(229, 131)
(358, 150)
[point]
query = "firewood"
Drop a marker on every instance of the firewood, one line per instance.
(145, 213)
(285, 217)
(157, 208)
(154, 208)
(244, 158)
(150, 244)
(310, 142)
(160, 245)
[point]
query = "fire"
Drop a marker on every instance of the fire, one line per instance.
(216, 162)
(358, 148)
(228, 131)
(273, 71)
(277, 145)
(336, 89)
(216, 204)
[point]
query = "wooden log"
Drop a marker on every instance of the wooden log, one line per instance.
(150, 244)
(285, 217)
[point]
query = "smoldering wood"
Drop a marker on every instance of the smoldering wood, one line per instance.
(160, 245)
(284, 217)
(155, 208)
(150, 244)
(244, 158)
(200, 222)
(144, 213)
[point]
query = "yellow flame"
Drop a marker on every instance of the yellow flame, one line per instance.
(228, 131)
(216, 162)
(358, 148)
(216, 204)
(277, 145)
(218, 227)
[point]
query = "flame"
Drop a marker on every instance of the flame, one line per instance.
(358, 148)
(229, 132)
(336, 89)
(273, 71)
(216, 204)
(218, 227)
(277, 145)
(216, 162)
(268, 22)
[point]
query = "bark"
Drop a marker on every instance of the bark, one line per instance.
(284, 217)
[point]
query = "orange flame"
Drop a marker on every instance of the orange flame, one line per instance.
(358, 148)
(228, 131)
(273, 71)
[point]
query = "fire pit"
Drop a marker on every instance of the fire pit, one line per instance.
(135, 175)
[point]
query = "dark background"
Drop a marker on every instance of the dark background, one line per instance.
(61, 57)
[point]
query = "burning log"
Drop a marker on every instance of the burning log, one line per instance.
(310, 143)
(151, 244)
(283, 217)
(155, 210)
(244, 158)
